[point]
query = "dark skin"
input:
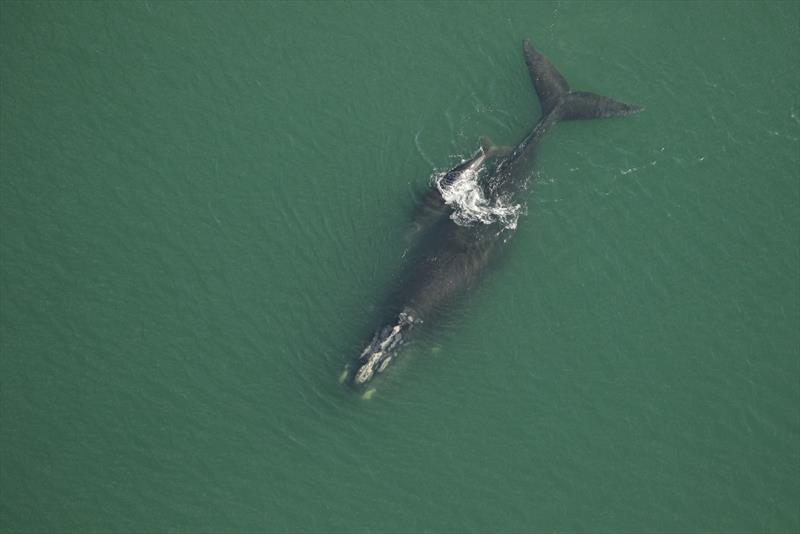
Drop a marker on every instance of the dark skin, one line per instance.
(448, 258)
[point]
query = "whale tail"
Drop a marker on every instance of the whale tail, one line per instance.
(559, 102)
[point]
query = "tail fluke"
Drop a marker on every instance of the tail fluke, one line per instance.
(549, 83)
(555, 95)
(581, 105)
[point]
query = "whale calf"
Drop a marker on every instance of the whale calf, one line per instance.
(464, 221)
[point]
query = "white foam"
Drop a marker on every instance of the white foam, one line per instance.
(470, 205)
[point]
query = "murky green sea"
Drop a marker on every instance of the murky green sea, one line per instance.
(202, 205)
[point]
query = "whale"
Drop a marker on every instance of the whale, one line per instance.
(452, 250)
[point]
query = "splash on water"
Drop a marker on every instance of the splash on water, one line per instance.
(469, 203)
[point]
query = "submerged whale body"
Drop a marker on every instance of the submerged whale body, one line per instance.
(464, 223)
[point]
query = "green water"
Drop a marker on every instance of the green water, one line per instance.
(202, 204)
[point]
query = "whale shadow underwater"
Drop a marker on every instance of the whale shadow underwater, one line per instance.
(464, 222)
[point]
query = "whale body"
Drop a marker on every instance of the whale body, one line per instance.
(453, 249)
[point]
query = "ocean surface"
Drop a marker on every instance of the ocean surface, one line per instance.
(203, 204)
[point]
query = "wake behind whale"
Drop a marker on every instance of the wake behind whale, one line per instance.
(471, 213)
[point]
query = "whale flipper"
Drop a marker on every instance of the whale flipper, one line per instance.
(491, 150)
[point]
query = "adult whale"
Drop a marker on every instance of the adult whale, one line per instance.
(451, 253)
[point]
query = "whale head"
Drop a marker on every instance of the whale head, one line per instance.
(381, 351)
